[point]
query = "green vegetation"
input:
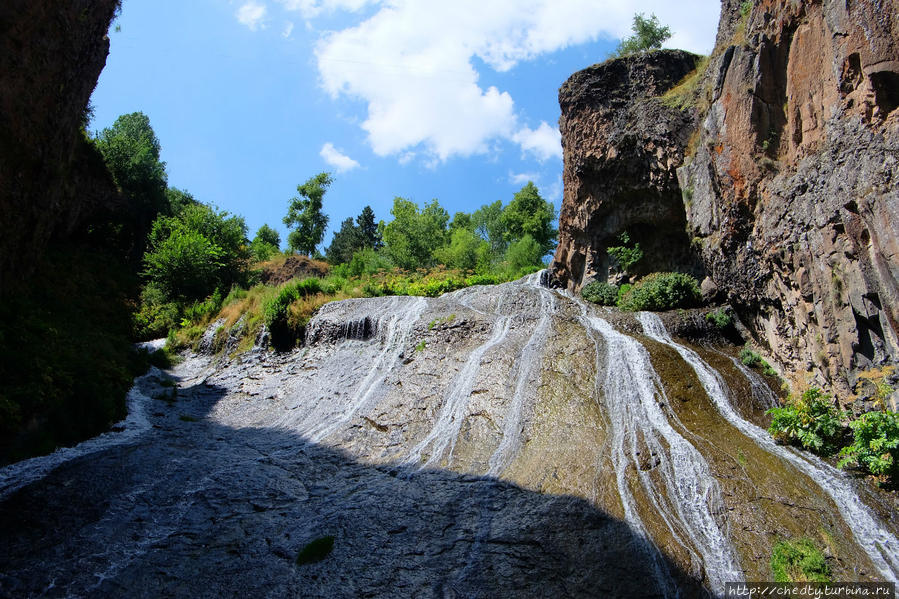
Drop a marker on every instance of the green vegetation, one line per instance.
(353, 237)
(722, 320)
(600, 292)
(798, 561)
(810, 421)
(649, 34)
(316, 550)
(265, 244)
(875, 444)
(687, 94)
(661, 291)
(754, 360)
(304, 214)
(625, 255)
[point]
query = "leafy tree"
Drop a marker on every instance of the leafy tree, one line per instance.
(412, 236)
(368, 229)
(461, 220)
(529, 214)
(265, 244)
(524, 253)
(345, 243)
(177, 199)
(130, 150)
(305, 214)
(465, 250)
(649, 34)
(191, 254)
(488, 223)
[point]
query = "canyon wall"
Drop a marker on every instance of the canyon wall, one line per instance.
(788, 181)
(51, 55)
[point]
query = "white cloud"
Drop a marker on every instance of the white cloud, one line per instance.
(252, 14)
(522, 178)
(412, 64)
(544, 142)
(337, 159)
(288, 29)
(313, 8)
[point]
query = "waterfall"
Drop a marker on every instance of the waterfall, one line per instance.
(881, 546)
(446, 428)
(528, 367)
(632, 392)
(399, 326)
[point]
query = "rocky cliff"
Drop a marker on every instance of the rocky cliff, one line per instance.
(51, 55)
(622, 147)
(788, 180)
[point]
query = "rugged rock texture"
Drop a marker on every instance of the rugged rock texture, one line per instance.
(501, 441)
(793, 186)
(51, 55)
(622, 147)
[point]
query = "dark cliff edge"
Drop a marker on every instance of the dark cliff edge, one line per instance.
(789, 162)
(65, 352)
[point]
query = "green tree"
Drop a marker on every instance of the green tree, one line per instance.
(130, 150)
(304, 213)
(412, 236)
(265, 244)
(649, 34)
(461, 220)
(488, 223)
(368, 229)
(529, 214)
(524, 253)
(191, 254)
(345, 243)
(464, 251)
(177, 199)
(625, 254)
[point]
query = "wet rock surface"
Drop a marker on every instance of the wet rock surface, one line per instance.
(496, 441)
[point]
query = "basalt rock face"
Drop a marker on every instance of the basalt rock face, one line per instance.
(51, 55)
(793, 186)
(622, 147)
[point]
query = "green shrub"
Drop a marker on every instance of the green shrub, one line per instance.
(316, 551)
(798, 561)
(720, 318)
(875, 445)
(662, 291)
(600, 292)
(482, 279)
(750, 358)
(811, 421)
(624, 254)
(285, 334)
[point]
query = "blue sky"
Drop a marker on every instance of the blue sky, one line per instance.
(454, 100)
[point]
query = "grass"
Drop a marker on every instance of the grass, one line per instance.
(687, 93)
(316, 550)
(798, 561)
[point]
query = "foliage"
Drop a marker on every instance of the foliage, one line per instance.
(304, 214)
(875, 445)
(412, 236)
(687, 92)
(465, 251)
(66, 357)
(600, 292)
(316, 551)
(754, 360)
(368, 229)
(625, 255)
(265, 244)
(488, 223)
(721, 319)
(798, 561)
(528, 214)
(662, 291)
(810, 421)
(193, 253)
(178, 199)
(649, 34)
(344, 244)
(524, 254)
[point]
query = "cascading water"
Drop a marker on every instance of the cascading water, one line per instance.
(881, 546)
(689, 498)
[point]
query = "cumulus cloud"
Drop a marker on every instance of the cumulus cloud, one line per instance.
(412, 64)
(544, 142)
(522, 178)
(312, 8)
(252, 14)
(337, 159)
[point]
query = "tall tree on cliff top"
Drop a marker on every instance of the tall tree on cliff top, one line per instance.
(649, 34)
(305, 215)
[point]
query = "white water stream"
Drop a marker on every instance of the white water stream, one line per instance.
(881, 546)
